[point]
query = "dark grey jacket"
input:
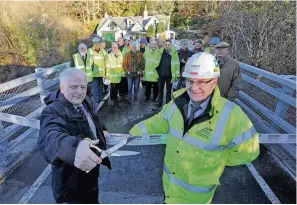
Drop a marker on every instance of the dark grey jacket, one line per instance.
(230, 78)
(61, 129)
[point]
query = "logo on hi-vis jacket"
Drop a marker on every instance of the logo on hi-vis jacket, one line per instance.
(205, 133)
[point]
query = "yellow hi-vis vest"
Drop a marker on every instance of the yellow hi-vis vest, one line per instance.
(114, 67)
(152, 60)
(99, 62)
(79, 64)
(196, 158)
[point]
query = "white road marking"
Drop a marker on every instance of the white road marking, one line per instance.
(264, 186)
(46, 172)
(35, 186)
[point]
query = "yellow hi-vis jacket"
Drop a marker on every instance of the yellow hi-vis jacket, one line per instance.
(152, 60)
(175, 70)
(99, 59)
(196, 157)
(87, 68)
(114, 67)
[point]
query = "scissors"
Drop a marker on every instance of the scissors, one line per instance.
(113, 151)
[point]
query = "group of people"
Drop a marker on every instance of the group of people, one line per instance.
(205, 130)
(155, 64)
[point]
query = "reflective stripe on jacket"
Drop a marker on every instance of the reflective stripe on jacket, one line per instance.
(152, 60)
(99, 59)
(196, 156)
(79, 64)
(114, 67)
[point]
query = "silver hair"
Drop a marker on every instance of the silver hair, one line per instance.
(82, 45)
(70, 72)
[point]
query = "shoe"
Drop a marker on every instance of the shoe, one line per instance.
(135, 99)
(155, 99)
(146, 99)
(120, 99)
(157, 102)
(111, 103)
(129, 101)
(158, 105)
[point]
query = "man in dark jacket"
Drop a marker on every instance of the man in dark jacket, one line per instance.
(230, 77)
(67, 127)
(184, 53)
(169, 56)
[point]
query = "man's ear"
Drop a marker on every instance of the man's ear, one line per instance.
(62, 87)
(215, 82)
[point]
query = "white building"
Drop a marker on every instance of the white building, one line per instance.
(111, 28)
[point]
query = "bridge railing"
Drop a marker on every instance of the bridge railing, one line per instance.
(20, 101)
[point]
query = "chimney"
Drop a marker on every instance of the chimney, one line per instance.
(145, 13)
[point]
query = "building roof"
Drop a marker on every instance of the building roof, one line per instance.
(122, 23)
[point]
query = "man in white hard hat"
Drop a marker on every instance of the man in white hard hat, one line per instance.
(205, 133)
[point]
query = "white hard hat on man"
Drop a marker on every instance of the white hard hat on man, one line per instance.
(201, 73)
(202, 65)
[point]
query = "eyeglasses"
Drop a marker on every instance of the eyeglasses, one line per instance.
(167, 44)
(190, 83)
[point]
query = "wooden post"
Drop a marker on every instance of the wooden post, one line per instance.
(41, 80)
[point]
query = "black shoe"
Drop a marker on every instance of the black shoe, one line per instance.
(146, 99)
(135, 99)
(158, 105)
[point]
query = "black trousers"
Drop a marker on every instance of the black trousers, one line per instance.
(148, 88)
(161, 83)
(91, 198)
(114, 90)
(124, 86)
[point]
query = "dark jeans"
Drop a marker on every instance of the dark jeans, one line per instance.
(148, 88)
(97, 88)
(124, 86)
(161, 83)
(114, 90)
(89, 90)
(133, 81)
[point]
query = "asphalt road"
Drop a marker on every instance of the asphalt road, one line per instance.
(137, 179)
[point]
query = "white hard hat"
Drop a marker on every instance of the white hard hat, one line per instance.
(106, 81)
(202, 65)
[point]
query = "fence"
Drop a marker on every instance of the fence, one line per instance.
(21, 100)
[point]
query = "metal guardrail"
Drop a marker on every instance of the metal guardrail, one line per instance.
(21, 103)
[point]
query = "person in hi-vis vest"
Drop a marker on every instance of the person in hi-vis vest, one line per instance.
(205, 133)
(83, 61)
(98, 55)
(114, 72)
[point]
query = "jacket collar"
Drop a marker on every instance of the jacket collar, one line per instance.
(70, 110)
(182, 98)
